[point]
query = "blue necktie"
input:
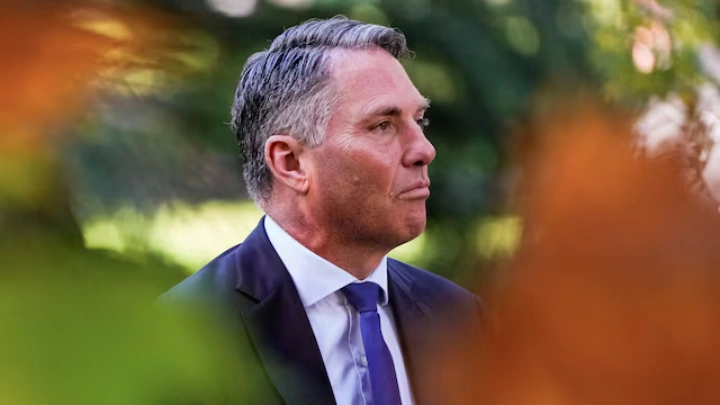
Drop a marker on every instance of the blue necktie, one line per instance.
(383, 380)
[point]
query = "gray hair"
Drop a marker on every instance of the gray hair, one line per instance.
(286, 89)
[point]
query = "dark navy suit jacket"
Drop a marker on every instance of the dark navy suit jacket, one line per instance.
(249, 288)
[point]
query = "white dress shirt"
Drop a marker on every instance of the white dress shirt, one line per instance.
(335, 323)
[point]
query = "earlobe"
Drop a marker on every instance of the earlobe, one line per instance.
(283, 157)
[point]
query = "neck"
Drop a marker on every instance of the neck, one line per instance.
(355, 258)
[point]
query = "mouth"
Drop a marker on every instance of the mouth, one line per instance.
(420, 191)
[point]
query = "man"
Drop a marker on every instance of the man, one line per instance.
(331, 131)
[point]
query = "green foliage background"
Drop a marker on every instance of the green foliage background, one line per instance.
(155, 144)
(480, 62)
(486, 64)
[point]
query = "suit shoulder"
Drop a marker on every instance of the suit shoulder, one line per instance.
(458, 307)
(430, 283)
(212, 281)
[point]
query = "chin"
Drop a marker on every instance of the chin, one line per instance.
(413, 228)
(402, 227)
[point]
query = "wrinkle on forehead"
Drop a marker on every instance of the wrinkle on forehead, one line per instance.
(341, 57)
(349, 71)
(344, 63)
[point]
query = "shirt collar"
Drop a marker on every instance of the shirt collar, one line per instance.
(316, 278)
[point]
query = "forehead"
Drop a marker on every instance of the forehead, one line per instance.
(369, 77)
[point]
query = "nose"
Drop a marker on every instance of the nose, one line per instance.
(420, 151)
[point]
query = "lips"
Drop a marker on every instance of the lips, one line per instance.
(419, 191)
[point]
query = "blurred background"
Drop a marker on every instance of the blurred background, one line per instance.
(119, 175)
(128, 103)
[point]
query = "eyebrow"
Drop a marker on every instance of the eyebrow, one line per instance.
(392, 110)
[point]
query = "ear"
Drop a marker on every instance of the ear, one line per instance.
(282, 155)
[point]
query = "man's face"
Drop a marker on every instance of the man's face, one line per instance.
(369, 178)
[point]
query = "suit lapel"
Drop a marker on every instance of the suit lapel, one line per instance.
(278, 325)
(412, 319)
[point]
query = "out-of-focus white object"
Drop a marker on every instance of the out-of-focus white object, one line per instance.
(661, 126)
(297, 4)
(710, 61)
(234, 8)
(708, 111)
(669, 124)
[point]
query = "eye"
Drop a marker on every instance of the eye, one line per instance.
(383, 126)
(423, 122)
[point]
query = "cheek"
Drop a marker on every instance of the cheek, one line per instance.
(373, 175)
(380, 162)
(360, 170)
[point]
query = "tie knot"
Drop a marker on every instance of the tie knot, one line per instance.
(362, 296)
